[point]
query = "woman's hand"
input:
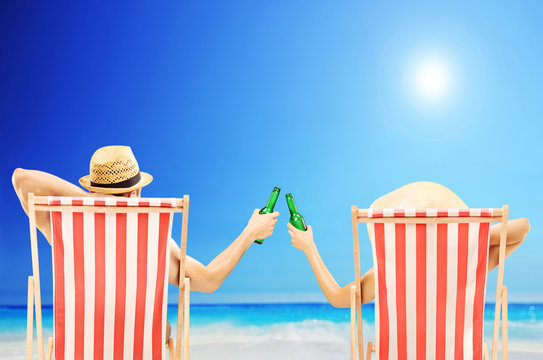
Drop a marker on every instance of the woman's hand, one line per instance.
(261, 226)
(302, 240)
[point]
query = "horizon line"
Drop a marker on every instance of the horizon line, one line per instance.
(266, 303)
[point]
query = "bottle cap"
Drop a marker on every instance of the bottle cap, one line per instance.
(289, 195)
(276, 189)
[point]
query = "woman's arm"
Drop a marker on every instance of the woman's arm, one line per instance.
(337, 296)
(340, 296)
(209, 278)
(516, 232)
(42, 184)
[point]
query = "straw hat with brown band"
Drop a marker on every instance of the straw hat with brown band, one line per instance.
(114, 170)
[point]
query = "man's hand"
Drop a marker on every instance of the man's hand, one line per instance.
(302, 240)
(261, 226)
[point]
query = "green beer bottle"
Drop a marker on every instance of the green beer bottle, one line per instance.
(269, 207)
(295, 218)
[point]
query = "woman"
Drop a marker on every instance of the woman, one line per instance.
(414, 195)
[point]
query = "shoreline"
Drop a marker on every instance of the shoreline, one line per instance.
(315, 331)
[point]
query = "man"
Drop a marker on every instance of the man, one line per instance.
(415, 195)
(114, 171)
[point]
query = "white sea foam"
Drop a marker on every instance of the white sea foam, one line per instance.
(308, 331)
(13, 345)
(308, 339)
(530, 331)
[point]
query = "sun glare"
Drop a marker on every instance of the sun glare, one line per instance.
(432, 79)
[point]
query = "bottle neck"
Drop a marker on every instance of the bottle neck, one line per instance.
(291, 205)
(272, 200)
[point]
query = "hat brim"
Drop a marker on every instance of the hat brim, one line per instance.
(144, 181)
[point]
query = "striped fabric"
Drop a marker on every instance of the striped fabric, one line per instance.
(430, 287)
(112, 201)
(110, 280)
(380, 213)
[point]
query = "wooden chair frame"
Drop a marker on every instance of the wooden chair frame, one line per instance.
(40, 203)
(500, 215)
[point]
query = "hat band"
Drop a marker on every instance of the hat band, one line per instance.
(123, 184)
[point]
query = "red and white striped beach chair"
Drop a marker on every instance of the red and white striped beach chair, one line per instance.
(110, 278)
(430, 279)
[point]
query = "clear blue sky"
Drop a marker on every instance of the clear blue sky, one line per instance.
(224, 100)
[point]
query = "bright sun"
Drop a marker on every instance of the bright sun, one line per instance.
(432, 79)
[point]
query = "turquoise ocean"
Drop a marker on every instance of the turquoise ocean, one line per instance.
(288, 331)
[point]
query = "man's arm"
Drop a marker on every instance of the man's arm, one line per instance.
(337, 296)
(42, 184)
(209, 278)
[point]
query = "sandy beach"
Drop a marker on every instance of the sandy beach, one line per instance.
(276, 349)
(280, 331)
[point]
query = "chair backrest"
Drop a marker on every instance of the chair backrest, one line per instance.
(430, 281)
(110, 276)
